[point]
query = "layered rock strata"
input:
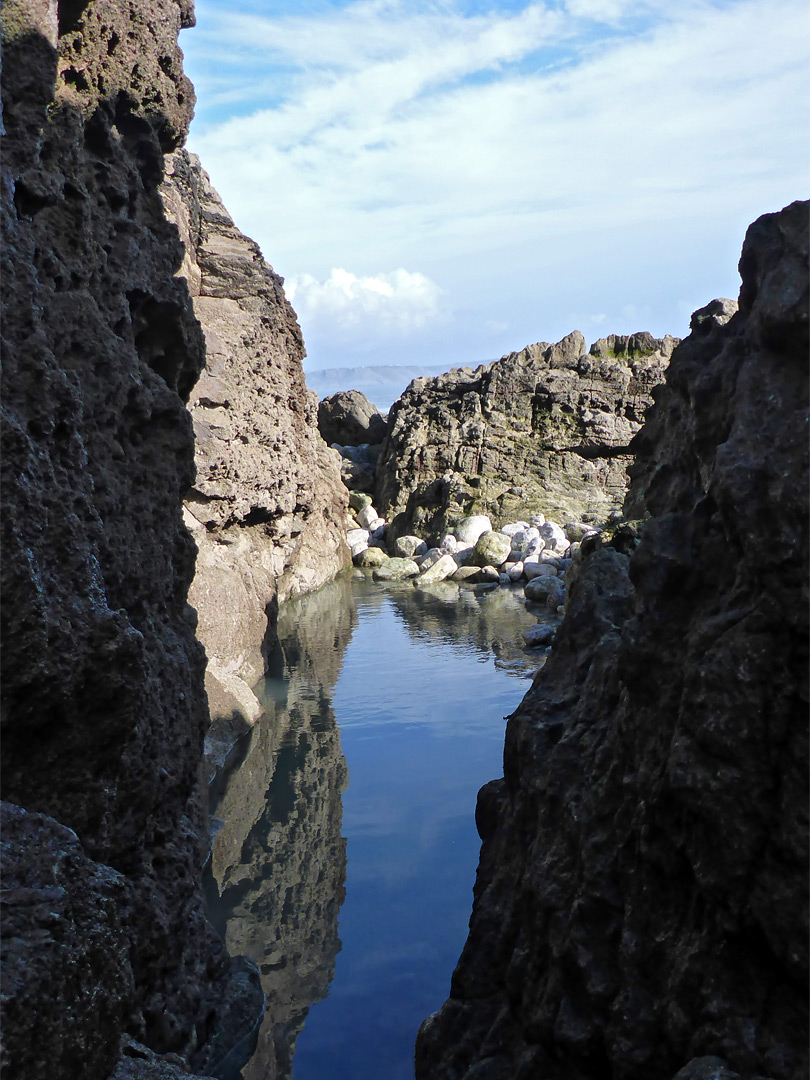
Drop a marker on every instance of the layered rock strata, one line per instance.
(546, 429)
(267, 509)
(641, 900)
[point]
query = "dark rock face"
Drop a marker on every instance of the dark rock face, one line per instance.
(349, 418)
(267, 509)
(641, 895)
(103, 704)
(546, 429)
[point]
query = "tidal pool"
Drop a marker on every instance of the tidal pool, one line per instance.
(346, 853)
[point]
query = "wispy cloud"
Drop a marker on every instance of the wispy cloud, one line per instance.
(524, 159)
(399, 299)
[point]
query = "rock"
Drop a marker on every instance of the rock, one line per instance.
(349, 418)
(465, 573)
(515, 527)
(554, 538)
(464, 555)
(492, 549)
(488, 573)
(357, 536)
(396, 570)
(651, 823)
(370, 558)
(575, 530)
(541, 634)
(514, 570)
(523, 537)
(431, 557)
(449, 543)
(267, 491)
(540, 588)
(366, 515)
(470, 529)
(558, 417)
(556, 597)
(103, 695)
(533, 547)
(408, 546)
(362, 545)
(359, 500)
(438, 571)
(534, 568)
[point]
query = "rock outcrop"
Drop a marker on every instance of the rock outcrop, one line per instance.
(641, 901)
(109, 966)
(546, 429)
(267, 509)
(349, 418)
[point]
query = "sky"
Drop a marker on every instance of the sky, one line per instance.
(451, 180)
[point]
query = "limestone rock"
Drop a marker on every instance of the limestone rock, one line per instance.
(370, 558)
(546, 430)
(408, 546)
(469, 529)
(349, 418)
(641, 900)
(396, 570)
(438, 571)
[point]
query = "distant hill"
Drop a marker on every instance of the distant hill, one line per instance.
(382, 385)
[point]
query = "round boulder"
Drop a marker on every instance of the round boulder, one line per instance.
(492, 549)
(396, 570)
(349, 418)
(470, 528)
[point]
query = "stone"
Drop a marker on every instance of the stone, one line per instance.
(443, 568)
(514, 570)
(359, 500)
(488, 574)
(651, 822)
(366, 515)
(539, 635)
(449, 543)
(534, 568)
(465, 573)
(521, 538)
(361, 545)
(357, 536)
(554, 538)
(408, 546)
(431, 557)
(558, 418)
(540, 588)
(556, 597)
(515, 527)
(370, 558)
(469, 529)
(492, 549)
(575, 530)
(396, 570)
(348, 417)
(534, 545)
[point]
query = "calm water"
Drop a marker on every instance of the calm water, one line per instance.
(347, 854)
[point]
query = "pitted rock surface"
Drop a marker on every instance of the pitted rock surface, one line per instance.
(267, 509)
(641, 900)
(546, 429)
(103, 702)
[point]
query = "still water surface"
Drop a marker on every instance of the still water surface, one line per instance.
(347, 854)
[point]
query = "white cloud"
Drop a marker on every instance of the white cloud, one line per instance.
(398, 300)
(536, 162)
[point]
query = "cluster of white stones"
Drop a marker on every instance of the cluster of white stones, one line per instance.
(536, 552)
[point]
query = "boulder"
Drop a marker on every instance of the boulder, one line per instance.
(370, 558)
(408, 546)
(540, 588)
(349, 418)
(492, 549)
(396, 570)
(539, 635)
(469, 529)
(438, 571)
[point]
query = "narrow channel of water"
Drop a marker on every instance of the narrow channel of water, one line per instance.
(346, 857)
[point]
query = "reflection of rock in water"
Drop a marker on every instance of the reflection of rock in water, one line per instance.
(491, 620)
(279, 861)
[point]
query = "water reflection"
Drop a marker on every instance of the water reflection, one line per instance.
(278, 862)
(418, 690)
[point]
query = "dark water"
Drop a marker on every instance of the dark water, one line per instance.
(347, 856)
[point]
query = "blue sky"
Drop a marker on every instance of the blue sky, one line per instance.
(448, 181)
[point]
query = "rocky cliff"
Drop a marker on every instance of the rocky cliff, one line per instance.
(267, 509)
(546, 429)
(103, 701)
(641, 900)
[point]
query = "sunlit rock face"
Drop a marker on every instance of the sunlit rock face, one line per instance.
(267, 509)
(641, 896)
(102, 679)
(546, 429)
(278, 863)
